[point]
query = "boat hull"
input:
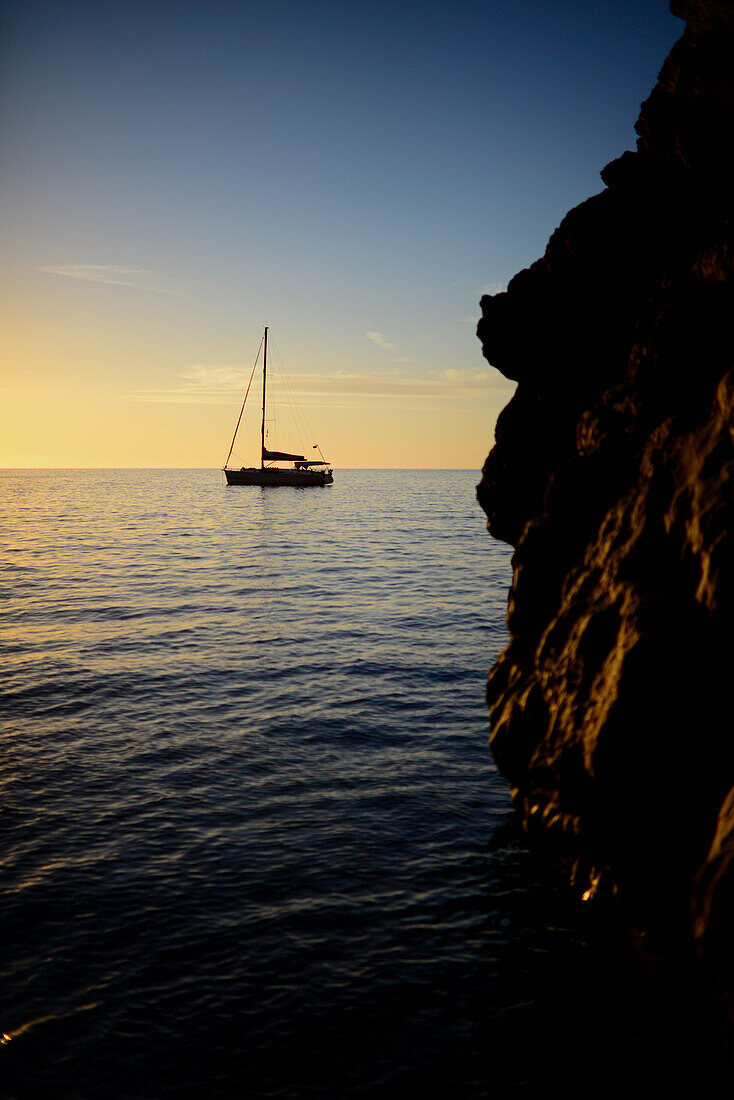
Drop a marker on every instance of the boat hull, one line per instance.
(272, 477)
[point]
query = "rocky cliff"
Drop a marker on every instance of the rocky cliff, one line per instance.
(613, 476)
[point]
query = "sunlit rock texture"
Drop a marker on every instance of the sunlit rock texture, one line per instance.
(613, 476)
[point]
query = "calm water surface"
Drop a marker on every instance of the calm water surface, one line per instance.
(253, 843)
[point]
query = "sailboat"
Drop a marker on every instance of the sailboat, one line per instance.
(304, 471)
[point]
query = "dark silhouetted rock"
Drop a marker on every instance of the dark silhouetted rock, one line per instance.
(613, 476)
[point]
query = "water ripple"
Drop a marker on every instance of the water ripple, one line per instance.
(245, 797)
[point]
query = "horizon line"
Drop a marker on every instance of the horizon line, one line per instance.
(22, 469)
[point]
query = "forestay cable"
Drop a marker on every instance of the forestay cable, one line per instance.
(252, 375)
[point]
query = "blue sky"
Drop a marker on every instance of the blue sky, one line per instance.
(177, 175)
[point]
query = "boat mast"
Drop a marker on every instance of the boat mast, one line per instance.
(262, 430)
(242, 409)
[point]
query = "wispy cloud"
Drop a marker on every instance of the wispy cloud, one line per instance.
(379, 339)
(224, 385)
(138, 278)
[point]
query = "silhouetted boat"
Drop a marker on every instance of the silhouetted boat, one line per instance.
(303, 472)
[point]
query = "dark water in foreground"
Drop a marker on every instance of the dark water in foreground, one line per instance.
(253, 843)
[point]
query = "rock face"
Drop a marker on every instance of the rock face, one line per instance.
(613, 476)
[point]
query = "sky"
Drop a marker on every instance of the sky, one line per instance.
(355, 175)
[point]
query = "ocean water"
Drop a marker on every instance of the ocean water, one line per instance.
(253, 841)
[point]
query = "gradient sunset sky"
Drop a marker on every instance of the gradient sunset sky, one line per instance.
(354, 175)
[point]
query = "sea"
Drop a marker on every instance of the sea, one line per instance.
(252, 840)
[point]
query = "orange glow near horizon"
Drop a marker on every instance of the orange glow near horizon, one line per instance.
(74, 427)
(69, 401)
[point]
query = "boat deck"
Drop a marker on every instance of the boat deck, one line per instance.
(272, 476)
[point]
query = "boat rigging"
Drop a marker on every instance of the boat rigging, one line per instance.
(304, 471)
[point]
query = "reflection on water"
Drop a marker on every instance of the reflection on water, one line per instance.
(252, 840)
